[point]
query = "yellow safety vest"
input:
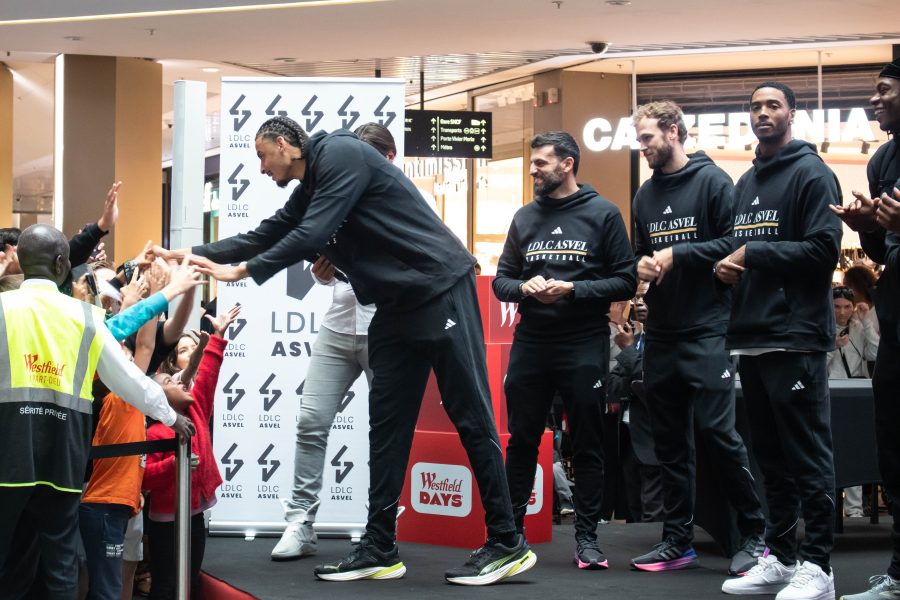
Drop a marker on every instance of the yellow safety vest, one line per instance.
(49, 350)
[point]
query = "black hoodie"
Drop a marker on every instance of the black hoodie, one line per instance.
(366, 217)
(793, 240)
(882, 246)
(580, 238)
(689, 210)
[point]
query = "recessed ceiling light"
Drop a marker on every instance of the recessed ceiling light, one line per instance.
(618, 2)
(284, 59)
(73, 38)
(210, 69)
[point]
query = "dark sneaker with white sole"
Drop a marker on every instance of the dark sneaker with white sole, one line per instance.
(588, 555)
(365, 561)
(493, 562)
(748, 555)
(667, 555)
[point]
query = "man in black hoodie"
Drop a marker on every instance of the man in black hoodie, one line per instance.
(682, 223)
(786, 243)
(566, 257)
(367, 218)
(877, 219)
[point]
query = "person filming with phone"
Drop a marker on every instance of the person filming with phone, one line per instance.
(856, 340)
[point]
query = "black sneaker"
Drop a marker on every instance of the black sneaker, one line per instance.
(752, 548)
(365, 561)
(589, 556)
(665, 556)
(493, 562)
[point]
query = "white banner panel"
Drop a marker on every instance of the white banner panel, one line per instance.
(261, 383)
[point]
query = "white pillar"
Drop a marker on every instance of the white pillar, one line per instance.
(188, 171)
(188, 164)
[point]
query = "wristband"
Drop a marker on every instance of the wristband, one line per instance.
(128, 269)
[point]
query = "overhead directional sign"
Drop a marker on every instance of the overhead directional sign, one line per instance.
(449, 134)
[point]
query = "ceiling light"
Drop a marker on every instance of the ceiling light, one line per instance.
(210, 69)
(185, 11)
(285, 59)
(73, 38)
(618, 2)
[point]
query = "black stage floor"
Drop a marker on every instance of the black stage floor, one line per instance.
(862, 550)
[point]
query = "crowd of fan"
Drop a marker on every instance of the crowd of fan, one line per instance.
(148, 304)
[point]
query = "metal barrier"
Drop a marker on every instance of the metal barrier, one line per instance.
(182, 448)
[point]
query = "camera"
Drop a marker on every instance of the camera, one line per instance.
(598, 47)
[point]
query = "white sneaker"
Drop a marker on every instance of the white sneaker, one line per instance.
(769, 576)
(299, 539)
(809, 583)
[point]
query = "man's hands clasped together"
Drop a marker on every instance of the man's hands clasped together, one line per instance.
(546, 291)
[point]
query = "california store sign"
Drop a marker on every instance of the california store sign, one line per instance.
(732, 130)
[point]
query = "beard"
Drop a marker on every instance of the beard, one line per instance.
(660, 156)
(282, 183)
(548, 184)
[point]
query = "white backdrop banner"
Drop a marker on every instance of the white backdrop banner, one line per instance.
(261, 383)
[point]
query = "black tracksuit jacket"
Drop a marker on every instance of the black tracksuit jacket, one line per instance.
(580, 238)
(689, 210)
(792, 242)
(366, 217)
(882, 246)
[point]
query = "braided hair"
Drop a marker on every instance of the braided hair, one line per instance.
(287, 128)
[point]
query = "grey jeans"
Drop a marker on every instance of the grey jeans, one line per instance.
(337, 361)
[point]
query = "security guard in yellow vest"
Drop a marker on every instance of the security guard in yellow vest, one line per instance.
(50, 347)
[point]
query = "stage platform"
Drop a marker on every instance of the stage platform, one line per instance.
(862, 550)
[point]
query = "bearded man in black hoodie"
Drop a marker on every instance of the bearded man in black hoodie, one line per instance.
(877, 219)
(786, 243)
(566, 257)
(682, 219)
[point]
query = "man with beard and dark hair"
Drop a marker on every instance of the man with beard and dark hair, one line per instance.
(682, 219)
(786, 243)
(368, 219)
(877, 219)
(565, 259)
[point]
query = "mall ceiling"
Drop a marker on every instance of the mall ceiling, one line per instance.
(453, 40)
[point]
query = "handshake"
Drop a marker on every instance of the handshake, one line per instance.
(201, 264)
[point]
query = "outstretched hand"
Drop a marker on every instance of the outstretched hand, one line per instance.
(217, 271)
(221, 322)
(110, 208)
(182, 278)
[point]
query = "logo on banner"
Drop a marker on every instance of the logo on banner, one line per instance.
(316, 115)
(234, 181)
(437, 489)
(232, 465)
(536, 501)
(236, 328)
(508, 312)
(342, 421)
(388, 117)
(245, 114)
(299, 280)
(268, 466)
(234, 394)
(343, 467)
(342, 112)
(270, 110)
(270, 396)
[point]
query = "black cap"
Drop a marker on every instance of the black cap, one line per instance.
(892, 69)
